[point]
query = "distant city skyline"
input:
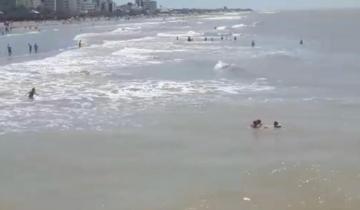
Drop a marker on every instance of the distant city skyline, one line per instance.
(257, 4)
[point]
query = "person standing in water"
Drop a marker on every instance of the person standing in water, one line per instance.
(301, 42)
(32, 93)
(30, 48)
(253, 43)
(9, 49)
(80, 44)
(36, 48)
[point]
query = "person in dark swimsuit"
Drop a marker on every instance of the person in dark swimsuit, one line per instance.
(256, 124)
(32, 93)
(277, 124)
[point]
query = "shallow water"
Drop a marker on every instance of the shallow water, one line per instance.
(139, 120)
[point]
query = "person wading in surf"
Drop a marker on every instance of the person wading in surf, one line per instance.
(32, 93)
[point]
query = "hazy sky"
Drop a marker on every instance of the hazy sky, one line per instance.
(258, 4)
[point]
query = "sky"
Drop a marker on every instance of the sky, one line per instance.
(257, 4)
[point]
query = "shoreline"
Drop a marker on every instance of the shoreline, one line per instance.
(29, 27)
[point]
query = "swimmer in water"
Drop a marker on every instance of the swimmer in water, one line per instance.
(256, 124)
(277, 124)
(32, 93)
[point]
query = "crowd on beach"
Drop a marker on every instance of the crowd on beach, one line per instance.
(6, 28)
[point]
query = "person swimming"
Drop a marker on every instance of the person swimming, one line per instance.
(256, 124)
(277, 124)
(32, 93)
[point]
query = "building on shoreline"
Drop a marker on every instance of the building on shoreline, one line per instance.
(138, 7)
(87, 6)
(67, 7)
(28, 3)
(149, 5)
(105, 6)
(139, 3)
(24, 3)
(61, 8)
(49, 5)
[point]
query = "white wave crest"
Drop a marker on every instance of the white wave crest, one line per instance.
(189, 33)
(239, 26)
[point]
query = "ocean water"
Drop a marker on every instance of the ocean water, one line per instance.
(138, 119)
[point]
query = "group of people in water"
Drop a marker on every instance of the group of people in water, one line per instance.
(190, 39)
(31, 48)
(32, 93)
(257, 124)
(235, 38)
(36, 48)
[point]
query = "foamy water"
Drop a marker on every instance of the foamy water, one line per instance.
(80, 80)
(118, 66)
